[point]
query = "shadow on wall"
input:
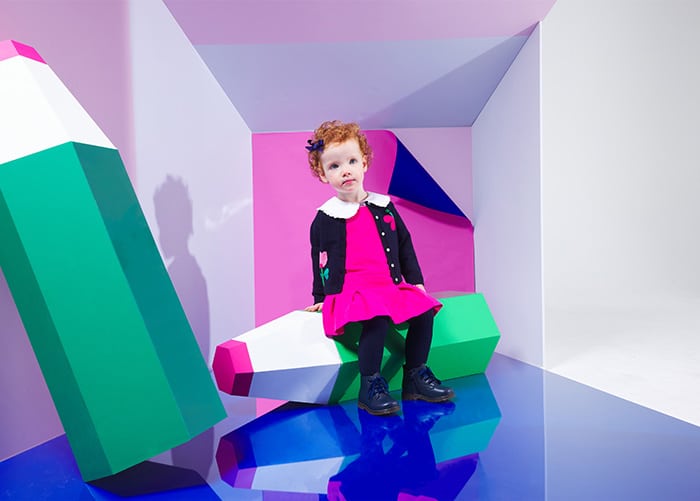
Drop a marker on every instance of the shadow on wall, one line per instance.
(173, 209)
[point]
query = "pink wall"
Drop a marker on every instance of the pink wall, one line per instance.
(285, 199)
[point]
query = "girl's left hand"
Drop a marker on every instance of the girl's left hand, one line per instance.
(421, 287)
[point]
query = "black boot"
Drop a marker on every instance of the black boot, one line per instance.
(421, 384)
(374, 396)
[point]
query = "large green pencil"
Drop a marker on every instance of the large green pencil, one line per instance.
(112, 340)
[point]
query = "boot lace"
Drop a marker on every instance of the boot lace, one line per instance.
(427, 376)
(378, 387)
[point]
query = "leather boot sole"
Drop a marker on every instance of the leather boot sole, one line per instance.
(418, 396)
(379, 412)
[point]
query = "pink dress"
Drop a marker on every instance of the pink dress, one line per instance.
(368, 290)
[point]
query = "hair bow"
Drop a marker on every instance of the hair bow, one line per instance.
(315, 145)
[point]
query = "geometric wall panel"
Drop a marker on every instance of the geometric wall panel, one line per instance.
(411, 181)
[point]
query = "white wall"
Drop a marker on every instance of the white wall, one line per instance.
(620, 117)
(507, 239)
(187, 129)
(621, 211)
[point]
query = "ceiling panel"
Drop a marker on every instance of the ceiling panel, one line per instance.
(294, 21)
(428, 83)
(289, 65)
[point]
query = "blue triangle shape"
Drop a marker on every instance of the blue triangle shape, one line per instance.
(411, 181)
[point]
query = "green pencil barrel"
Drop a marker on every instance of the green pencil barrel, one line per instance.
(115, 348)
(465, 336)
(153, 291)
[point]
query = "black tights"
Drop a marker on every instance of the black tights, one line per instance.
(371, 346)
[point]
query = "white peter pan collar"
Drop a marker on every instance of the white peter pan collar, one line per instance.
(338, 208)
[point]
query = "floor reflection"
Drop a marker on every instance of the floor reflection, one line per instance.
(546, 438)
(348, 454)
(397, 457)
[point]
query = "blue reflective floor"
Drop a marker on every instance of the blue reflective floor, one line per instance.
(516, 433)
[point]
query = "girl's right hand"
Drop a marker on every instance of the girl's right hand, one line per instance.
(314, 307)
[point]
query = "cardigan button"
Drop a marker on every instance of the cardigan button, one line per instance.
(392, 265)
(376, 217)
(396, 279)
(387, 249)
(383, 233)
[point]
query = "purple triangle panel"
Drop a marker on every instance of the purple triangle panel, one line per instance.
(412, 182)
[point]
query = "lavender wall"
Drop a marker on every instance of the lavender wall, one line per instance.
(97, 73)
(194, 166)
(507, 212)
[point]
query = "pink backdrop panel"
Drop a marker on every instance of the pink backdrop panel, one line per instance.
(285, 199)
(444, 245)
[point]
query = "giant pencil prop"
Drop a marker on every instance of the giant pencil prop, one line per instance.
(289, 358)
(107, 328)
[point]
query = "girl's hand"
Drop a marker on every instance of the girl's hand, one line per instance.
(421, 287)
(314, 307)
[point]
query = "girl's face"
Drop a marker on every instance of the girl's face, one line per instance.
(344, 168)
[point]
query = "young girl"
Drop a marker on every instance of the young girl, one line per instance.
(365, 270)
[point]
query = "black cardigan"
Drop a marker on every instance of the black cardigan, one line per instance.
(328, 234)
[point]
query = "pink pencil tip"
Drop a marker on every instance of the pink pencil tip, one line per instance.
(12, 48)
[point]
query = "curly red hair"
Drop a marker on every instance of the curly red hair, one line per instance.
(335, 131)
